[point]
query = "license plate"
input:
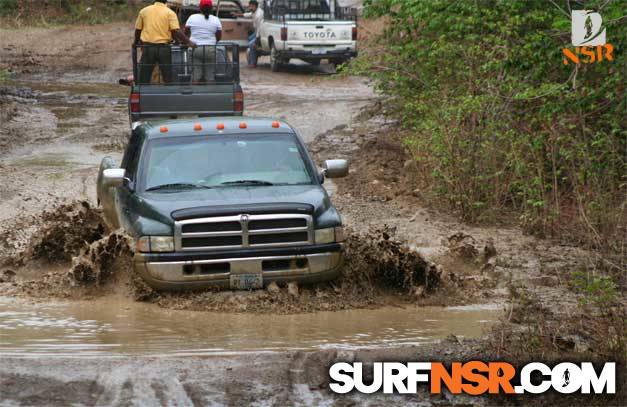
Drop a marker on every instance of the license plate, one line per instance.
(318, 51)
(246, 281)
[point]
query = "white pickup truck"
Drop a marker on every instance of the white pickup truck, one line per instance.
(310, 30)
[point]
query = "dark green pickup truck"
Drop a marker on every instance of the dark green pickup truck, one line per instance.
(228, 202)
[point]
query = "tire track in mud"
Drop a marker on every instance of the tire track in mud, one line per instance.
(141, 386)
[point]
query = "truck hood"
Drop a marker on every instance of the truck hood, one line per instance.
(161, 205)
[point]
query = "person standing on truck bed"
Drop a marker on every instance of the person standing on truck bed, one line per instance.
(205, 31)
(257, 15)
(155, 27)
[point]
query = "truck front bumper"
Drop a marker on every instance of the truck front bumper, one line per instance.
(307, 264)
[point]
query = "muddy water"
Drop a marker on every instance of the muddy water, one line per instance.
(108, 328)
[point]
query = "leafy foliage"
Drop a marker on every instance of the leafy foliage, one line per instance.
(46, 12)
(601, 291)
(7, 7)
(494, 116)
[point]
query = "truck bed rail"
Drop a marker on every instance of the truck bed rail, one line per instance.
(307, 10)
(179, 65)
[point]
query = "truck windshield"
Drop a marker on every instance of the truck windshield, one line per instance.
(179, 163)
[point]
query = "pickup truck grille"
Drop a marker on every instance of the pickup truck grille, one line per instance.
(243, 231)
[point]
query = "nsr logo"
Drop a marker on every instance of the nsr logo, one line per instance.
(588, 37)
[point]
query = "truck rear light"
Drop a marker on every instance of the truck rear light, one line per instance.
(283, 33)
(134, 102)
(238, 101)
(354, 34)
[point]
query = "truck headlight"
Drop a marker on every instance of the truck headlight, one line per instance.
(329, 235)
(147, 244)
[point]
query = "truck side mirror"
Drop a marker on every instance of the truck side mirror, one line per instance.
(335, 168)
(114, 177)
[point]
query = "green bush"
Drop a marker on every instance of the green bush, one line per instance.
(45, 12)
(600, 291)
(496, 118)
(7, 7)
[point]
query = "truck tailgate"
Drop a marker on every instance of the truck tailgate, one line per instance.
(319, 32)
(155, 100)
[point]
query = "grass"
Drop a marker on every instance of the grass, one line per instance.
(27, 13)
(68, 113)
(46, 161)
(4, 75)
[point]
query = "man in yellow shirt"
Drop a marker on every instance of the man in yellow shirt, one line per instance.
(155, 28)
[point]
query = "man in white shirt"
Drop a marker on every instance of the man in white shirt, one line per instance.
(257, 15)
(206, 31)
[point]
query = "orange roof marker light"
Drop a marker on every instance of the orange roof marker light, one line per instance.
(243, 125)
(163, 129)
(220, 126)
(197, 127)
(276, 124)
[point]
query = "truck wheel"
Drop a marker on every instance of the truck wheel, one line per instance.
(275, 62)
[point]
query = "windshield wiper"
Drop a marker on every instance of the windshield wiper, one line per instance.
(178, 185)
(247, 182)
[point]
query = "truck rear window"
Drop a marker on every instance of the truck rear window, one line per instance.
(225, 161)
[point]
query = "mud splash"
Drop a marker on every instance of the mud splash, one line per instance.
(379, 270)
(100, 269)
(101, 261)
(72, 242)
(53, 236)
(65, 232)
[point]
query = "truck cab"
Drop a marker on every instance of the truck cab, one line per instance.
(310, 30)
(223, 202)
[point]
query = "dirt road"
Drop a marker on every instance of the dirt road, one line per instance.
(61, 113)
(67, 111)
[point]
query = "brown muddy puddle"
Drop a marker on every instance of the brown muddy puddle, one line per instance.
(105, 327)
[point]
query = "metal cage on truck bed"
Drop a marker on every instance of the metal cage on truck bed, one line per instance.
(173, 81)
(307, 10)
(204, 64)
